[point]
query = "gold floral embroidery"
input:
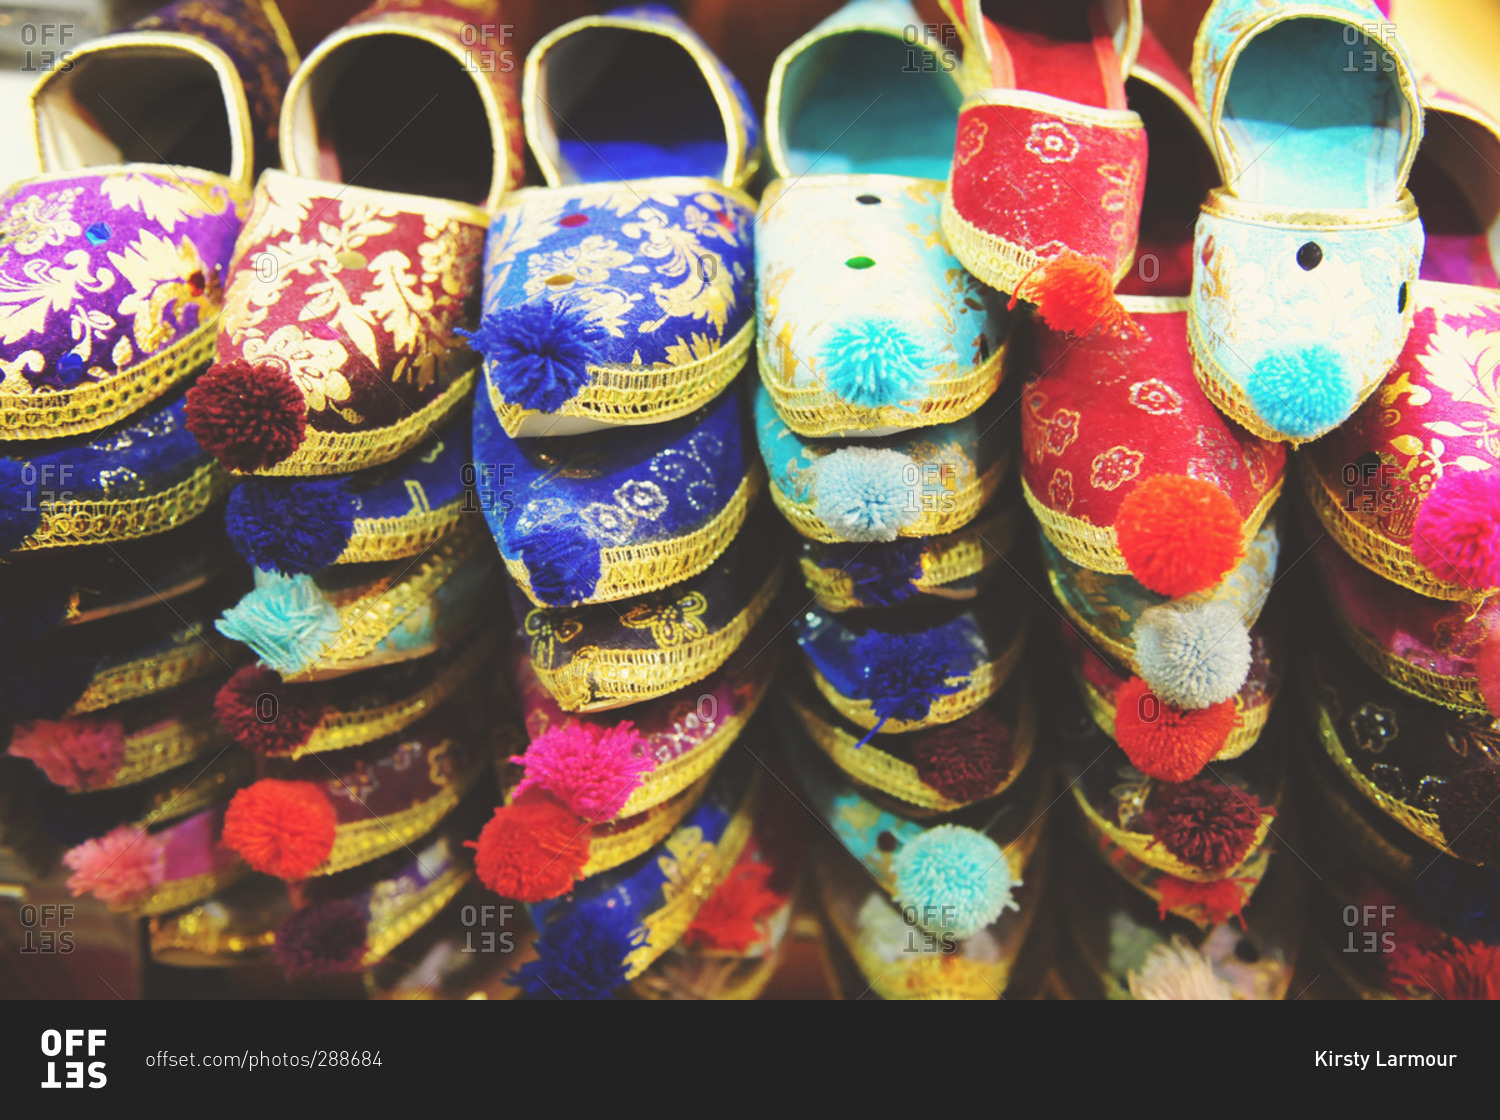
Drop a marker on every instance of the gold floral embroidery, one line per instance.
(1114, 467)
(313, 363)
(164, 202)
(671, 624)
(164, 276)
(547, 633)
(1156, 397)
(1060, 490)
(42, 289)
(38, 221)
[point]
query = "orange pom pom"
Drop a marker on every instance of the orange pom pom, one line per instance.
(1166, 742)
(1179, 535)
(1074, 294)
(282, 828)
(531, 850)
(1219, 899)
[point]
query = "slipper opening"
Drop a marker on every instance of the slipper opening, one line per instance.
(1458, 194)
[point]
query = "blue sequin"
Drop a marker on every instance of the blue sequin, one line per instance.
(98, 233)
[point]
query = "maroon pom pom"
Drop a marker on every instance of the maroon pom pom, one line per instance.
(1469, 812)
(964, 760)
(1204, 824)
(249, 417)
(265, 715)
(322, 938)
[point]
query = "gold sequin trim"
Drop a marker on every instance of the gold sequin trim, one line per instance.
(636, 569)
(1249, 722)
(70, 523)
(378, 539)
(623, 844)
(345, 452)
(385, 933)
(177, 893)
(620, 394)
(148, 675)
(162, 746)
(1459, 693)
(1146, 848)
(598, 679)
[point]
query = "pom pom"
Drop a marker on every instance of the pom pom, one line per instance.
(1463, 900)
(240, 707)
(966, 760)
(1469, 814)
(73, 753)
(323, 938)
(290, 525)
(1165, 742)
(1462, 971)
(1456, 536)
(871, 363)
(20, 515)
(1204, 824)
(562, 564)
(282, 828)
(591, 770)
(119, 868)
(1179, 535)
(882, 574)
(1219, 900)
(1192, 656)
(1176, 970)
(1487, 670)
(538, 354)
(732, 919)
(285, 620)
(1301, 394)
(902, 674)
(957, 879)
(581, 954)
(867, 493)
(248, 417)
(1074, 294)
(531, 850)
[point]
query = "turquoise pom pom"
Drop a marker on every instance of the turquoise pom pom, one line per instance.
(285, 620)
(867, 493)
(871, 364)
(1301, 393)
(954, 880)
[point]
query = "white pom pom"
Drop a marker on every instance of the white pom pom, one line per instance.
(1192, 656)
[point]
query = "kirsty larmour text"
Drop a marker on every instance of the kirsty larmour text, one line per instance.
(1381, 1061)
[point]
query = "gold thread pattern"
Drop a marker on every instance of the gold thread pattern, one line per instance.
(72, 523)
(177, 893)
(378, 539)
(1458, 693)
(384, 933)
(621, 845)
(162, 746)
(152, 674)
(362, 841)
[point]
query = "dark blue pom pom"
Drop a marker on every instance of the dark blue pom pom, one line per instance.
(882, 573)
(19, 513)
(1464, 901)
(290, 526)
(581, 955)
(563, 564)
(539, 353)
(902, 674)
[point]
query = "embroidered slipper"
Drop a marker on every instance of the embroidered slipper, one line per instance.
(113, 260)
(914, 667)
(321, 816)
(614, 926)
(391, 512)
(1303, 261)
(620, 293)
(337, 348)
(869, 325)
(144, 476)
(350, 618)
(612, 515)
(151, 804)
(232, 927)
(606, 656)
(917, 484)
(1044, 199)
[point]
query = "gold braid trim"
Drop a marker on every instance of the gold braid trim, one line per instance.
(982, 683)
(622, 845)
(69, 523)
(345, 452)
(87, 408)
(362, 841)
(873, 767)
(147, 675)
(377, 539)
(598, 679)
(1458, 693)
(967, 554)
(385, 933)
(1383, 557)
(1145, 848)
(666, 927)
(177, 893)
(1097, 548)
(159, 748)
(816, 411)
(1121, 652)
(621, 394)
(636, 569)
(967, 502)
(1250, 722)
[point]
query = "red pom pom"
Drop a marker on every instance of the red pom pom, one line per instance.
(1204, 824)
(531, 850)
(731, 919)
(249, 417)
(1166, 742)
(1468, 812)
(1457, 532)
(1074, 294)
(965, 760)
(1179, 535)
(282, 828)
(1219, 900)
(1464, 970)
(275, 726)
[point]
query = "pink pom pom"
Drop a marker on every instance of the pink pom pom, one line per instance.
(1487, 668)
(120, 867)
(591, 770)
(73, 753)
(1457, 532)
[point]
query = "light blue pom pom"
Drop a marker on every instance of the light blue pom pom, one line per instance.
(285, 620)
(954, 880)
(1301, 393)
(1192, 656)
(871, 364)
(867, 493)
